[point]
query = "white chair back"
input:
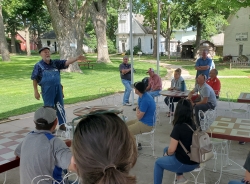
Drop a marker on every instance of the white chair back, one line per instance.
(41, 178)
(206, 118)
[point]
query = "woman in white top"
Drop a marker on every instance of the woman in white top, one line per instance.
(177, 83)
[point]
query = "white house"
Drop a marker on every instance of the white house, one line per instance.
(49, 39)
(236, 34)
(184, 35)
(142, 35)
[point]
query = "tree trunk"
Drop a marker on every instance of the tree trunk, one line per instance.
(39, 42)
(64, 22)
(3, 43)
(198, 38)
(27, 37)
(80, 33)
(169, 32)
(155, 47)
(98, 13)
(13, 42)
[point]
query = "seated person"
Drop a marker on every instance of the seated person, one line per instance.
(247, 173)
(175, 159)
(104, 150)
(212, 81)
(41, 153)
(177, 83)
(208, 99)
(154, 83)
(144, 111)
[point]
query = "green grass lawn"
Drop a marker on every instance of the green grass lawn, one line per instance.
(16, 92)
(235, 86)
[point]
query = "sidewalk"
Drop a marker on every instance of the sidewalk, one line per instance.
(145, 163)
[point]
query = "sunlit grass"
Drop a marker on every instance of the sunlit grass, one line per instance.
(16, 92)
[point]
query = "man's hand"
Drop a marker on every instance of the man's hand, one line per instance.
(80, 58)
(137, 110)
(247, 176)
(37, 95)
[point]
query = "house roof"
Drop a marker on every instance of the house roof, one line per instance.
(189, 42)
(146, 29)
(22, 34)
(218, 40)
(49, 35)
(192, 42)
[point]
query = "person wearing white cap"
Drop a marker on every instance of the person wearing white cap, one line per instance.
(46, 73)
(154, 83)
(41, 153)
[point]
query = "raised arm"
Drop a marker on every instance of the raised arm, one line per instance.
(74, 59)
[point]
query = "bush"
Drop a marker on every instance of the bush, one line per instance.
(111, 46)
(136, 50)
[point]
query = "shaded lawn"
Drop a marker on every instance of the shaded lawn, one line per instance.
(16, 92)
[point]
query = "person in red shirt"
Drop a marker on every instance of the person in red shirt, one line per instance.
(154, 83)
(214, 82)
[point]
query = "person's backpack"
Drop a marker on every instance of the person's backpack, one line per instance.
(145, 81)
(201, 149)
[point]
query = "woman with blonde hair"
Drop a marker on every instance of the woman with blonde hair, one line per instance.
(178, 84)
(104, 151)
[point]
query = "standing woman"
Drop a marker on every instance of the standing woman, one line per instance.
(104, 151)
(174, 157)
(178, 84)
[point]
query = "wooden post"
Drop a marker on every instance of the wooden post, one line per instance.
(230, 66)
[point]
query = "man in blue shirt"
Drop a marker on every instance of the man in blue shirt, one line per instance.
(46, 73)
(203, 64)
(144, 112)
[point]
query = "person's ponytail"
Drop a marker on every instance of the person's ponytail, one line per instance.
(114, 176)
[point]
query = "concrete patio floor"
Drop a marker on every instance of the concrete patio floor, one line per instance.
(145, 164)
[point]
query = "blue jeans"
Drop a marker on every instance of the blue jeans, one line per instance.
(235, 182)
(52, 92)
(128, 89)
(170, 163)
(154, 93)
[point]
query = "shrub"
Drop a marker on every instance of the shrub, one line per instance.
(136, 50)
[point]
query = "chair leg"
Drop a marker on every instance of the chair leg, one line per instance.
(5, 177)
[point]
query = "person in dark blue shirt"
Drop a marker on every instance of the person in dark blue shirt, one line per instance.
(46, 73)
(203, 64)
(125, 73)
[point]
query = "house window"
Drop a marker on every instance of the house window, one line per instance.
(240, 50)
(151, 43)
(48, 42)
(139, 43)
